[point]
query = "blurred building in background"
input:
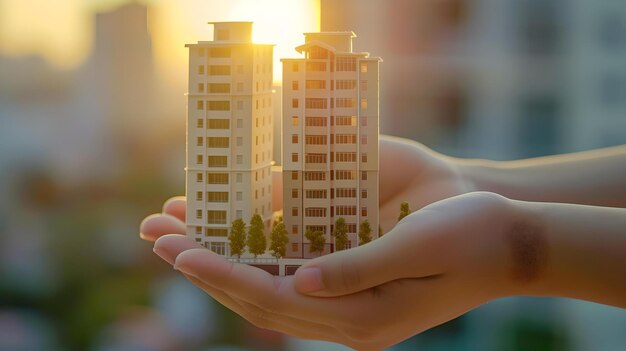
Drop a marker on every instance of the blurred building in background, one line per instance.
(229, 134)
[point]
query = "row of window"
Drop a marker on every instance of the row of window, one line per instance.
(222, 178)
(224, 105)
(312, 139)
(222, 161)
(322, 193)
(221, 123)
(224, 88)
(322, 228)
(344, 64)
(341, 210)
(225, 70)
(224, 142)
(321, 103)
(212, 231)
(349, 121)
(340, 84)
(219, 217)
(334, 175)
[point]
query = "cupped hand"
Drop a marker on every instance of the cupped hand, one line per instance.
(435, 265)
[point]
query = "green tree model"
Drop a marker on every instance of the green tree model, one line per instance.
(257, 244)
(365, 232)
(405, 210)
(279, 239)
(237, 238)
(340, 233)
(317, 240)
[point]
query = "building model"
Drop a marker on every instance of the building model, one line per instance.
(330, 134)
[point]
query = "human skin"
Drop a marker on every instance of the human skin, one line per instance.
(443, 260)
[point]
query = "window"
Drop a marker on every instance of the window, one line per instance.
(294, 193)
(345, 175)
(316, 84)
(346, 121)
(200, 105)
(218, 123)
(199, 177)
(199, 214)
(216, 232)
(345, 102)
(198, 231)
(345, 138)
(294, 211)
(315, 139)
(200, 123)
(294, 175)
(317, 103)
(363, 67)
(351, 228)
(315, 158)
(345, 210)
(219, 70)
(345, 157)
(316, 194)
(239, 122)
(201, 69)
(363, 104)
(222, 34)
(199, 159)
(315, 121)
(294, 85)
(346, 192)
(364, 139)
(363, 85)
(363, 175)
(316, 66)
(294, 103)
(199, 141)
(294, 67)
(294, 121)
(364, 211)
(294, 246)
(219, 88)
(217, 196)
(201, 87)
(239, 214)
(217, 178)
(239, 159)
(239, 141)
(346, 64)
(220, 52)
(217, 161)
(198, 195)
(314, 175)
(216, 217)
(219, 105)
(363, 193)
(294, 157)
(315, 212)
(239, 177)
(294, 138)
(363, 121)
(345, 84)
(363, 158)
(217, 142)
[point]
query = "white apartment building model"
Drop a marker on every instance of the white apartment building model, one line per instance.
(330, 140)
(229, 133)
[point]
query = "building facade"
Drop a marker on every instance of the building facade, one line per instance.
(229, 133)
(330, 140)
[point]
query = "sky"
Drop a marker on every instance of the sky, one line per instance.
(61, 30)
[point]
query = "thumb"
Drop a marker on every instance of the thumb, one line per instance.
(382, 260)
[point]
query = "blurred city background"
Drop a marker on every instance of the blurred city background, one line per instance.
(92, 139)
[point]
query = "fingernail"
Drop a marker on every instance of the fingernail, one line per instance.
(310, 280)
(164, 255)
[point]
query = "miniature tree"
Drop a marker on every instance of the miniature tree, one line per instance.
(317, 240)
(237, 238)
(279, 239)
(365, 232)
(340, 233)
(257, 244)
(405, 210)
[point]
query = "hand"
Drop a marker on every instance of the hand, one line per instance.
(435, 265)
(409, 172)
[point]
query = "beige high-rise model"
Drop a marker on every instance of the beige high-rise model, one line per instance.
(330, 140)
(229, 133)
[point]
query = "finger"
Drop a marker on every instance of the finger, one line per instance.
(253, 285)
(171, 245)
(156, 225)
(176, 206)
(295, 327)
(405, 252)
